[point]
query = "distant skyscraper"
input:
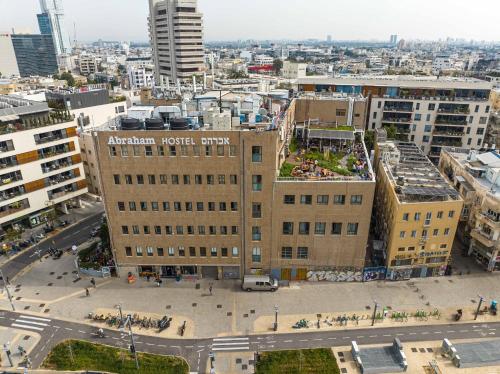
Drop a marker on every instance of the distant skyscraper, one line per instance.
(329, 38)
(176, 34)
(51, 20)
(394, 39)
(35, 54)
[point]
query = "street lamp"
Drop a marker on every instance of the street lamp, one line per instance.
(128, 322)
(481, 299)
(276, 310)
(7, 289)
(374, 313)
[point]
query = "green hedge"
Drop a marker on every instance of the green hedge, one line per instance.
(305, 361)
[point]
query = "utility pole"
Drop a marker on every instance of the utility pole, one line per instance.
(6, 348)
(374, 313)
(276, 310)
(8, 291)
(481, 299)
(131, 334)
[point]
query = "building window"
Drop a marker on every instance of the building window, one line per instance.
(223, 252)
(319, 228)
(352, 228)
(140, 179)
(189, 206)
(401, 249)
(256, 233)
(158, 230)
(451, 214)
(163, 179)
(125, 230)
(154, 206)
(211, 206)
(175, 179)
(152, 179)
(289, 199)
(414, 233)
(406, 216)
(256, 153)
(233, 151)
(210, 179)
(234, 230)
(304, 228)
(418, 116)
(435, 232)
(116, 178)
(302, 253)
(179, 230)
(339, 199)
(417, 217)
(182, 252)
(208, 150)
(136, 151)
(483, 120)
(146, 230)
(198, 179)
(446, 231)
(428, 218)
(166, 206)
(169, 230)
(128, 179)
(171, 251)
(213, 252)
(220, 151)
(306, 199)
(121, 206)
(256, 254)
(287, 228)
(256, 210)
(235, 252)
(149, 251)
(322, 199)
(431, 107)
(356, 199)
(177, 206)
(286, 253)
(172, 151)
(223, 230)
(135, 230)
(336, 228)
(159, 252)
(203, 252)
(148, 151)
(192, 251)
(222, 206)
(402, 234)
(144, 206)
(212, 230)
(201, 230)
(128, 251)
(440, 214)
(161, 150)
(196, 150)
(184, 150)
(424, 234)
(233, 179)
(138, 251)
(221, 178)
(124, 151)
(112, 151)
(199, 206)
(256, 182)
(186, 179)
(131, 206)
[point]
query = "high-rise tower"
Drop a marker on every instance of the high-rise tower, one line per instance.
(51, 20)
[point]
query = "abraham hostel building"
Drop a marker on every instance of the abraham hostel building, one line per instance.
(224, 200)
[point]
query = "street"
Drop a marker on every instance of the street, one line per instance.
(195, 351)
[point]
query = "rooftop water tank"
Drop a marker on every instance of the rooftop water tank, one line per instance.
(178, 124)
(130, 124)
(154, 124)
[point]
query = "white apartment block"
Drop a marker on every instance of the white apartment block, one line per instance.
(8, 61)
(477, 179)
(176, 34)
(263, 60)
(441, 63)
(87, 64)
(140, 77)
(293, 70)
(432, 112)
(40, 162)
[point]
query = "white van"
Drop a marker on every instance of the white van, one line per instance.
(259, 283)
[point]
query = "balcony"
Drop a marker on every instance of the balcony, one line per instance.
(489, 220)
(12, 193)
(7, 162)
(446, 142)
(6, 146)
(450, 109)
(387, 119)
(15, 207)
(50, 136)
(448, 133)
(54, 118)
(483, 237)
(66, 190)
(55, 150)
(61, 163)
(398, 106)
(9, 178)
(451, 121)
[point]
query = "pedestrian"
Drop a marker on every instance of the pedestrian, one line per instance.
(210, 289)
(148, 277)
(87, 293)
(7, 281)
(92, 282)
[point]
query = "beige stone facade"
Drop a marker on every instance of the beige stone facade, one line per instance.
(212, 204)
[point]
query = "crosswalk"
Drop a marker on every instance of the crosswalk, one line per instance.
(31, 323)
(230, 344)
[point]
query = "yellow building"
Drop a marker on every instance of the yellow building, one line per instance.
(416, 211)
(495, 98)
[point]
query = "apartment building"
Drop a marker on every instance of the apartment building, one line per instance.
(140, 77)
(249, 199)
(293, 70)
(176, 34)
(431, 112)
(87, 64)
(35, 55)
(40, 162)
(416, 211)
(476, 176)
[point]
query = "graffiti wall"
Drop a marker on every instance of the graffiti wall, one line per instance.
(337, 275)
(374, 274)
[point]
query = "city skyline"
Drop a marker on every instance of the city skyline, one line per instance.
(411, 21)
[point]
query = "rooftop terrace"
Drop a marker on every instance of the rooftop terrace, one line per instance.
(413, 176)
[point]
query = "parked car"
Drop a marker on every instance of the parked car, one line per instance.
(259, 283)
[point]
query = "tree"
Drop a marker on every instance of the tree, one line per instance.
(369, 140)
(391, 132)
(236, 74)
(12, 234)
(68, 77)
(277, 66)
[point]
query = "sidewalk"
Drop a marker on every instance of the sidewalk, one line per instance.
(26, 339)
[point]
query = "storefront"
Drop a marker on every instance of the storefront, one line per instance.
(174, 271)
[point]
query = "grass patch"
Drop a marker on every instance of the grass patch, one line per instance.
(286, 169)
(95, 357)
(333, 127)
(294, 145)
(332, 162)
(305, 361)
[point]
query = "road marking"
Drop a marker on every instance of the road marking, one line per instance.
(175, 346)
(230, 348)
(347, 337)
(303, 340)
(27, 327)
(425, 333)
(360, 336)
(200, 346)
(188, 346)
(437, 332)
(162, 345)
(35, 318)
(399, 334)
(81, 332)
(149, 344)
(332, 338)
(386, 335)
(464, 330)
(31, 322)
(114, 337)
(231, 344)
(317, 339)
(413, 333)
(227, 339)
(287, 341)
(450, 331)
(491, 333)
(373, 336)
(492, 329)
(67, 328)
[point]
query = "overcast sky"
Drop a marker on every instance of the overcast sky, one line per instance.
(125, 20)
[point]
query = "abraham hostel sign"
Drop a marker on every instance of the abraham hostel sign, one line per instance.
(117, 140)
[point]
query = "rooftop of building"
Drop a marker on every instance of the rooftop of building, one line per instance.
(483, 167)
(413, 176)
(407, 81)
(91, 88)
(11, 107)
